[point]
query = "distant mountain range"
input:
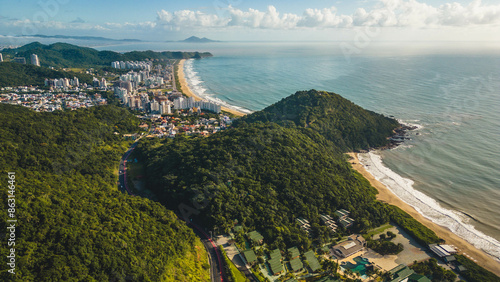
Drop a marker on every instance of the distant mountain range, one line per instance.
(194, 39)
(97, 38)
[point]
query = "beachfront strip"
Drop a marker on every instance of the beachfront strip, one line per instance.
(134, 89)
(348, 255)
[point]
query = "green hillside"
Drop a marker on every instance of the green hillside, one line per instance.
(73, 224)
(339, 120)
(72, 56)
(14, 74)
(265, 176)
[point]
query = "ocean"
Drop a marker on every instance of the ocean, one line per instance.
(449, 170)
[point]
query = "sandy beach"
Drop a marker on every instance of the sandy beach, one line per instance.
(187, 91)
(386, 195)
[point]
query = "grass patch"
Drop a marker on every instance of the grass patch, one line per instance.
(378, 230)
(231, 270)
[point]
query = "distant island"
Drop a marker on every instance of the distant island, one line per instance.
(194, 39)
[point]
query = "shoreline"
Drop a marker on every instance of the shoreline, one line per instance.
(387, 196)
(187, 91)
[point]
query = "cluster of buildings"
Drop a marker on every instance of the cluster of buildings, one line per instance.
(189, 103)
(49, 102)
(22, 60)
(304, 225)
(134, 65)
(144, 77)
(62, 82)
(343, 218)
(129, 84)
(327, 220)
(275, 260)
(100, 83)
(169, 126)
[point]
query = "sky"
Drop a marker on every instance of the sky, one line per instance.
(257, 20)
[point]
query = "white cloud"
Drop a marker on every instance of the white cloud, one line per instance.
(324, 18)
(386, 13)
(187, 18)
(269, 19)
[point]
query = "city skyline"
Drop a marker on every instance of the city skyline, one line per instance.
(237, 20)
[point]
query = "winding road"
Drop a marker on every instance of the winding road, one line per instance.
(122, 177)
(215, 256)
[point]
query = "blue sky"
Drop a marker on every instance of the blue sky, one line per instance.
(320, 20)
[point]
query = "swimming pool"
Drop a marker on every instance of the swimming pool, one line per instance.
(359, 267)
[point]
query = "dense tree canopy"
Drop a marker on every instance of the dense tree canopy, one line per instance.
(73, 224)
(474, 272)
(15, 74)
(266, 175)
(431, 269)
(346, 124)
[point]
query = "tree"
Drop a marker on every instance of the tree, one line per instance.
(391, 235)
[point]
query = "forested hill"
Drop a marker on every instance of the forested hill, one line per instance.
(72, 56)
(264, 176)
(72, 223)
(341, 121)
(14, 74)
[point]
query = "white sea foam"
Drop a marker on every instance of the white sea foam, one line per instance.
(196, 85)
(411, 123)
(427, 206)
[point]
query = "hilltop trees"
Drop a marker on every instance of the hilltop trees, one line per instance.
(73, 223)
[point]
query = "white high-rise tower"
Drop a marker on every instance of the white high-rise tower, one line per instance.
(34, 60)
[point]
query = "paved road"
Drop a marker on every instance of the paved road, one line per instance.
(216, 261)
(122, 177)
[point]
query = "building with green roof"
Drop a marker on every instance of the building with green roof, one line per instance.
(275, 265)
(296, 264)
(404, 273)
(250, 256)
(276, 253)
(312, 261)
(294, 252)
(418, 278)
(255, 236)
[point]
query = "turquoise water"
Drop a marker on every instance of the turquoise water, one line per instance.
(449, 171)
(359, 267)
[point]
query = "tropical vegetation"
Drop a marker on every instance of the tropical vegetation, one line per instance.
(72, 222)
